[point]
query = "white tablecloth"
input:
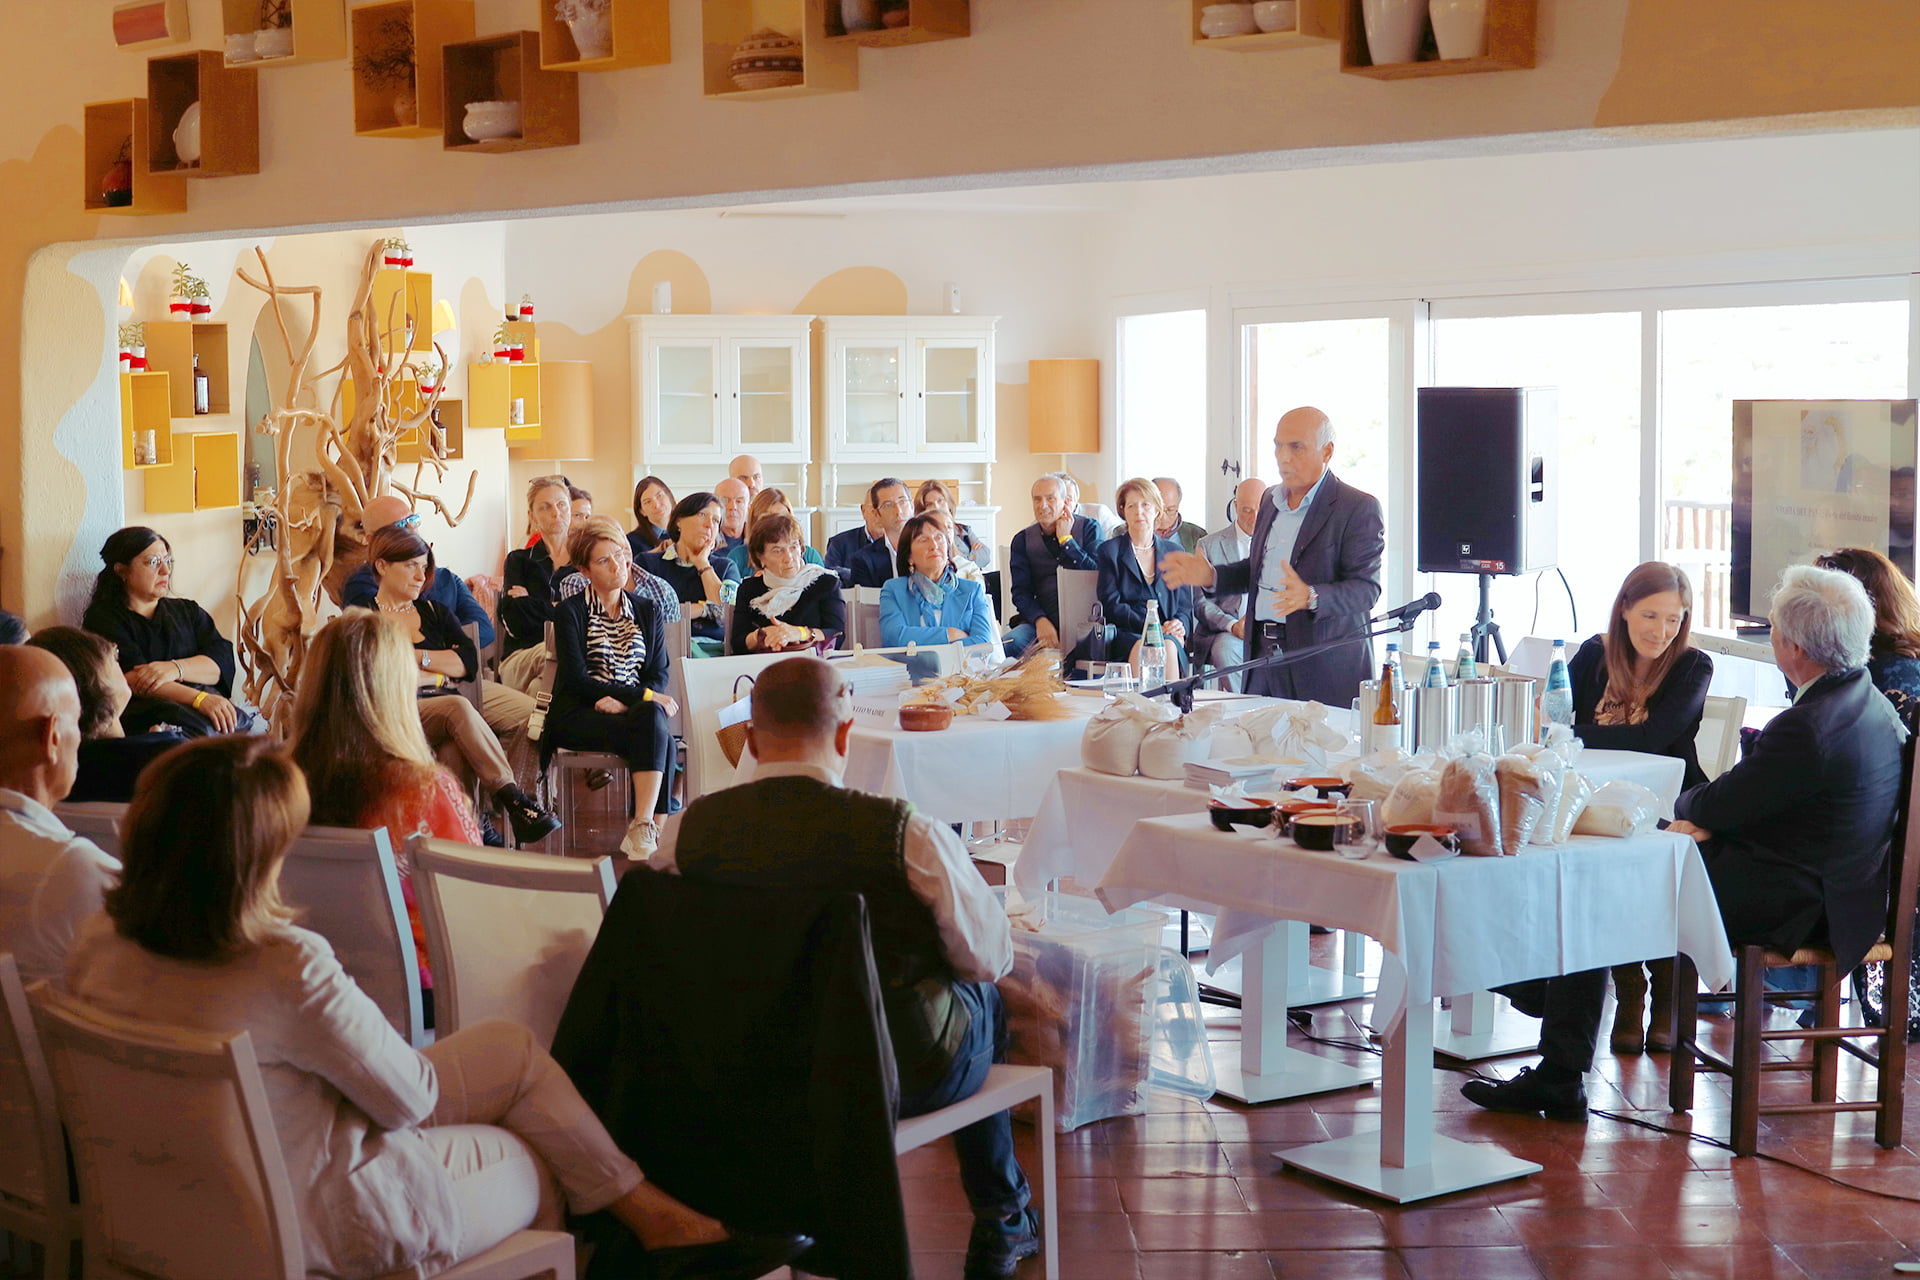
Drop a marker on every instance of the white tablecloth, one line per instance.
(1450, 927)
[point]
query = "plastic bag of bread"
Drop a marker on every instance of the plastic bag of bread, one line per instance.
(1469, 802)
(1552, 765)
(1412, 798)
(1619, 809)
(1575, 791)
(1111, 742)
(1369, 781)
(1523, 800)
(1168, 748)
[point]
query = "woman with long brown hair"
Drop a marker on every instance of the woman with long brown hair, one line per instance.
(1893, 658)
(1642, 687)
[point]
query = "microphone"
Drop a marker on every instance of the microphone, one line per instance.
(1411, 610)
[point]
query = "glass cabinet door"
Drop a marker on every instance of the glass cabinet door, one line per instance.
(764, 392)
(950, 394)
(872, 374)
(686, 395)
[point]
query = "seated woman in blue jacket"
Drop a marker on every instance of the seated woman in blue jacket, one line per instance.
(1129, 565)
(929, 603)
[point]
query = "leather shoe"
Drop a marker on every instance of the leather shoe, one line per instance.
(994, 1252)
(1528, 1092)
(741, 1256)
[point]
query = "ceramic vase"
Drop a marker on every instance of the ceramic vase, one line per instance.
(593, 35)
(186, 135)
(860, 15)
(406, 107)
(1459, 27)
(767, 59)
(1393, 29)
(488, 120)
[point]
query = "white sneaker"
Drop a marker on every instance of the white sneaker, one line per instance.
(642, 838)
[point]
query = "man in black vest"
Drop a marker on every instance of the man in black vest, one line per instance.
(940, 938)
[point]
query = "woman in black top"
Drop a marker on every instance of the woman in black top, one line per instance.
(609, 693)
(652, 513)
(789, 603)
(176, 660)
(1893, 655)
(403, 565)
(1643, 687)
(693, 564)
(110, 760)
(526, 598)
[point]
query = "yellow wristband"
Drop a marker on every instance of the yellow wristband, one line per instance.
(199, 698)
(646, 695)
(439, 681)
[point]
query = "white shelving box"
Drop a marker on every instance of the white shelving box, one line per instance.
(706, 388)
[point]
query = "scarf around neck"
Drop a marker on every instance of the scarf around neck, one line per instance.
(783, 593)
(934, 593)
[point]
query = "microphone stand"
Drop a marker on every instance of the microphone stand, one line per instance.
(1182, 691)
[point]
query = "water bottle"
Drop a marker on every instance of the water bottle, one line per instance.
(1391, 668)
(1464, 667)
(1153, 650)
(1558, 703)
(1436, 668)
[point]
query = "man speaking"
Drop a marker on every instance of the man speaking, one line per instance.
(1313, 573)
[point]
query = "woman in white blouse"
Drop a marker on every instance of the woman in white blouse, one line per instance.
(399, 1157)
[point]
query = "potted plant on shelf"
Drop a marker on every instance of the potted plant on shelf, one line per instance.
(427, 371)
(133, 346)
(388, 66)
(190, 294)
(526, 306)
(591, 23)
(275, 36)
(396, 252)
(502, 345)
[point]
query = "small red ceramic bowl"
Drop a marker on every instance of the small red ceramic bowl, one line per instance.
(1228, 816)
(925, 717)
(1400, 839)
(1325, 786)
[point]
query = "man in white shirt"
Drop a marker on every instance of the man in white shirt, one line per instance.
(1221, 624)
(940, 938)
(50, 879)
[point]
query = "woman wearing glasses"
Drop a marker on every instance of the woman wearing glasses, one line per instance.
(179, 665)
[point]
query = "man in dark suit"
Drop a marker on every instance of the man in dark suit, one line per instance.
(1795, 836)
(1057, 539)
(842, 547)
(1313, 574)
(874, 564)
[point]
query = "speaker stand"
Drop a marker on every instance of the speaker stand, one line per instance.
(1485, 628)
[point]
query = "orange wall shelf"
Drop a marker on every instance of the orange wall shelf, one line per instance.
(640, 38)
(107, 129)
(427, 27)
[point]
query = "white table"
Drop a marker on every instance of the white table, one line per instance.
(1462, 925)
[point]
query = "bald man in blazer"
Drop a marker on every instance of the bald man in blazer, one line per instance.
(1313, 574)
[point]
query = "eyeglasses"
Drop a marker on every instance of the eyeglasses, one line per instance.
(407, 521)
(157, 562)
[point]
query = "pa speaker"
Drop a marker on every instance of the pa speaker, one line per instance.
(1488, 479)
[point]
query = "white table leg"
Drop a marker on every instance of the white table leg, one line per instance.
(1311, 984)
(1472, 1035)
(1268, 1070)
(1406, 1160)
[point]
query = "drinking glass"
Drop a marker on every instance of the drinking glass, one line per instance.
(1116, 679)
(1356, 837)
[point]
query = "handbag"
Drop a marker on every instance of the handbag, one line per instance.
(733, 717)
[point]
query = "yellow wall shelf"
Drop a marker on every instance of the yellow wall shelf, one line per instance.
(640, 38)
(415, 291)
(829, 67)
(145, 406)
(429, 26)
(204, 474)
(1316, 23)
(491, 391)
(107, 128)
(506, 68)
(319, 30)
(171, 347)
(926, 20)
(229, 99)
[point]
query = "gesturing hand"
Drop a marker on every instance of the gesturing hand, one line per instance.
(1184, 569)
(1293, 593)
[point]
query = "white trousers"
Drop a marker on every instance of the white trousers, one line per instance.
(515, 1136)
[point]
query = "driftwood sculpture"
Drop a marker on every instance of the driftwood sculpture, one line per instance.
(319, 538)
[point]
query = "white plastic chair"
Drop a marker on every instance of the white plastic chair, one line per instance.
(564, 760)
(97, 820)
(346, 885)
(708, 685)
(33, 1154)
(1718, 742)
(863, 617)
(506, 932)
(1006, 1086)
(181, 1173)
(1079, 592)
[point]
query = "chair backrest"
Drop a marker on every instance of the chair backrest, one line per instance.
(1532, 656)
(863, 617)
(33, 1155)
(97, 820)
(543, 687)
(708, 685)
(506, 932)
(994, 581)
(470, 687)
(346, 885)
(1718, 742)
(1903, 892)
(181, 1175)
(679, 637)
(1003, 587)
(1079, 592)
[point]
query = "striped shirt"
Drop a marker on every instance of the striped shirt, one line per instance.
(615, 648)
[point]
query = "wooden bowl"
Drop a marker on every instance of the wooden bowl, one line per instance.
(926, 717)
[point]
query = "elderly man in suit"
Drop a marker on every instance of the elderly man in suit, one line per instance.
(1220, 623)
(1312, 572)
(1057, 539)
(876, 564)
(1795, 836)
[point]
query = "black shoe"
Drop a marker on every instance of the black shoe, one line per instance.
(489, 834)
(530, 822)
(995, 1249)
(1529, 1092)
(598, 779)
(740, 1256)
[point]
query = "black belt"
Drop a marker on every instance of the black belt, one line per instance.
(1270, 632)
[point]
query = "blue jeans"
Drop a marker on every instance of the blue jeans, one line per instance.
(995, 1186)
(1020, 638)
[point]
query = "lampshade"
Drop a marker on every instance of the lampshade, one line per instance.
(1063, 406)
(443, 317)
(566, 413)
(126, 294)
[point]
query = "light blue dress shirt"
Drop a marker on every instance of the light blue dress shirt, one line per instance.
(1282, 535)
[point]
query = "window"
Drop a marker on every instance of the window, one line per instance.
(1162, 413)
(1339, 366)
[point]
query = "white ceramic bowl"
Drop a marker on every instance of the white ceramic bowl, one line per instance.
(486, 121)
(1227, 20)
(186, 135)
(1276, 15)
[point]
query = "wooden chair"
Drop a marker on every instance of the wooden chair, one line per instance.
(470, 687)
(181, 1173)
(1828, 1037)
(346, 884)
(559, 794)
(97, 820)
(506, 932)
(1718, 742)
(34, 1175)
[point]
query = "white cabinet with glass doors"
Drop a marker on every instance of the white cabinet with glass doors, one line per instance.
(902, 388)
(708, 387)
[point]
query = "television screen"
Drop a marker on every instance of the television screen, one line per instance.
(1811, 476)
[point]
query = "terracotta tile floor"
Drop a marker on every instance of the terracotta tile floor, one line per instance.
(1192, 1191)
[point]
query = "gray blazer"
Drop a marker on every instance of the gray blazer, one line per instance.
(1338, 554)
(1217, 612)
